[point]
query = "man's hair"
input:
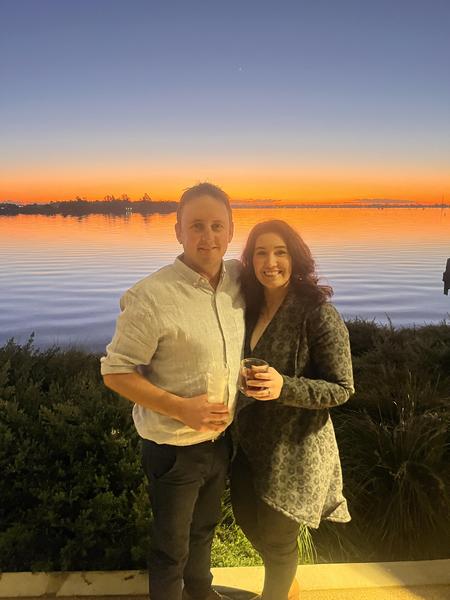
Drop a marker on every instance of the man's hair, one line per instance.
(203, 189)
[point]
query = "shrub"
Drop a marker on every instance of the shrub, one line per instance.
(71, 486)
(73, 495)
(394, 443)
(397, 478)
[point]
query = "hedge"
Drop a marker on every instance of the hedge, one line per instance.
(73, 496)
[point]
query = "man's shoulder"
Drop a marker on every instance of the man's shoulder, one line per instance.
(154, 283)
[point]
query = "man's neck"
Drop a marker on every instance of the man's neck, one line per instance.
(213, 275)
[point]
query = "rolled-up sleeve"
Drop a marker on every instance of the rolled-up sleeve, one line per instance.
(136, 336)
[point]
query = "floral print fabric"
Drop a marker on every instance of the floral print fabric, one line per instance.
(290, 442)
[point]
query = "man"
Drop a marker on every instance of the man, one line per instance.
(180, 328)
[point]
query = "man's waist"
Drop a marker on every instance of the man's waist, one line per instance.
(222, 436)
(158, 428)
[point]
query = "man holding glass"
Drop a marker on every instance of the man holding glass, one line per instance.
(175, 354)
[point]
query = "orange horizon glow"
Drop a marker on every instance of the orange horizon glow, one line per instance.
(272, 182)
(319, 197)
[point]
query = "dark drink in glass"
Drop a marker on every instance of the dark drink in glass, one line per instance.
(250, 366)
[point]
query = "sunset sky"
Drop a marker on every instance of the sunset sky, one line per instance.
(331, 101)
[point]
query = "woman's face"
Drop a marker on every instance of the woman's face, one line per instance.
(271, 261)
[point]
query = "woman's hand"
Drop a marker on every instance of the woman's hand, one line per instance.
(270, 383)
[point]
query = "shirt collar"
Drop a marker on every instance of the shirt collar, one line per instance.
(194, 278)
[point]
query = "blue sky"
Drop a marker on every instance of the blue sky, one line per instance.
(141, 90)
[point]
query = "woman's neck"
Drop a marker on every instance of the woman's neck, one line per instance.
(273, 298)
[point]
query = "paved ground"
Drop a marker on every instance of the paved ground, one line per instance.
(432, 592)
(416, 593)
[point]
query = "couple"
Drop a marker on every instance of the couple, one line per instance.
(174, 326)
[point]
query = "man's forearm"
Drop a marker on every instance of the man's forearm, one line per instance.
(139, 390)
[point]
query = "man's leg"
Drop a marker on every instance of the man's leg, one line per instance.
(173, 491)
(207, 512)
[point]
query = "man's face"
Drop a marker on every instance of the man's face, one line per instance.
(204, 231)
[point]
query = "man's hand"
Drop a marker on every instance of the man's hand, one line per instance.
(195, 412)
(201, 415)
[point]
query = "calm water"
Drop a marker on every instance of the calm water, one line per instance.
(62, 277)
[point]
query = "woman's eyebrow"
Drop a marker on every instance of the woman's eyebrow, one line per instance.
(275, 247)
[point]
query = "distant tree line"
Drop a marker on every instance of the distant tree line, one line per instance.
(110, 205)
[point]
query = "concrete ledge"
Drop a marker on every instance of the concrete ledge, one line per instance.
(311, 577)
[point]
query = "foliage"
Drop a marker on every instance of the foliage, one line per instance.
(394, 441)
(81, 207)
(232, 549)
(73, 495)
(397, 482)
(71, 487)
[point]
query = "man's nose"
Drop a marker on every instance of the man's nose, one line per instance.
(207, 234)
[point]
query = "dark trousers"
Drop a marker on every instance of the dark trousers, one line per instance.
(271, 533)
(185, 489)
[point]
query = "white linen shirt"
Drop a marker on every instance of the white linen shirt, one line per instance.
(175, 329)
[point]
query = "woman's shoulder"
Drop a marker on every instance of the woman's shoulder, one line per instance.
(325, 310)
(326, 318)
(315, 311)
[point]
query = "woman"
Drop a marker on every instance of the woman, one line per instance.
(287, 470)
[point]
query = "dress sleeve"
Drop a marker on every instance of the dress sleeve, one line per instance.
(329, 349)
(135, 338)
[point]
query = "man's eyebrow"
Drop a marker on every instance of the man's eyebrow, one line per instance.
(199, 220)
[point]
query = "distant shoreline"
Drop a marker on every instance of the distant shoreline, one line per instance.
(390, 205)
(148, 207)
(85, 207)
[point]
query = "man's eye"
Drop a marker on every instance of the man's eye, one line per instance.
(217, 227)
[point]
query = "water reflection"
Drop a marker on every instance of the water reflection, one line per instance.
(62, 276)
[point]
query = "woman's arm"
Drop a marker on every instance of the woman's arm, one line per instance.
(329, 349)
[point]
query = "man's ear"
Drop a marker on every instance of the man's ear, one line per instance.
(178, 232)
(230, 237)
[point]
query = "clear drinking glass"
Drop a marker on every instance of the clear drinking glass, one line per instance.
(217, 378)
(250, 366)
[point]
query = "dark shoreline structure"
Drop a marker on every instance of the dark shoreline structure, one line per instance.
(73, 495)
(146, 206)
(80, 207)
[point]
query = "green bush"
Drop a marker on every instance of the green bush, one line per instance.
(73, 495)
(397, 480)
(71, 488)
(394, 441)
